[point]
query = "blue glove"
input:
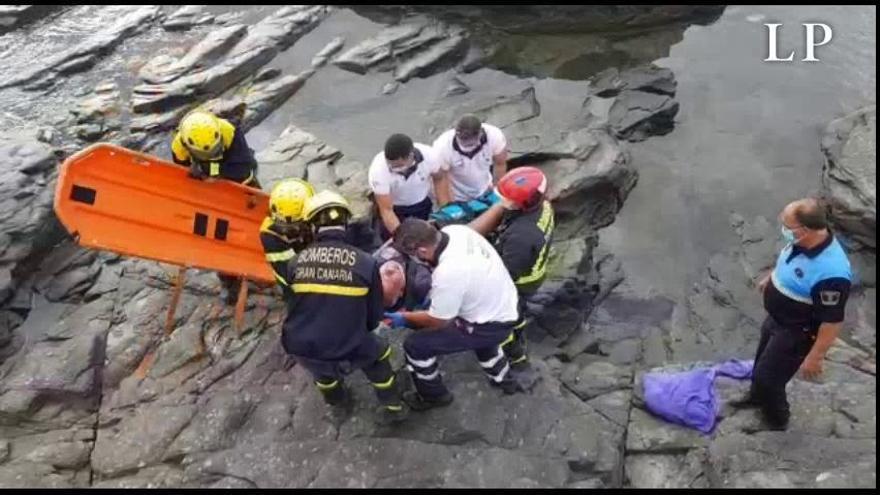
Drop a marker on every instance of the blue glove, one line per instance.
(489, 197)
(449, 212)
(395, 320)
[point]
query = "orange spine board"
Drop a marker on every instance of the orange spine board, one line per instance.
(115, 199)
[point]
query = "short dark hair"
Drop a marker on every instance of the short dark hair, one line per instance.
(414, 233)
(469, 126)
(398, 146)
(811, 214)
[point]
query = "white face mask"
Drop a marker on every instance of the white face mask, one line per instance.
(467, 146)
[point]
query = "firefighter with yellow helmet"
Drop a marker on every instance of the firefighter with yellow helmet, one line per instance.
(284, 231)
(335, 305)
(213, 148)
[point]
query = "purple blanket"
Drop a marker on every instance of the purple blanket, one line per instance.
(688, 398)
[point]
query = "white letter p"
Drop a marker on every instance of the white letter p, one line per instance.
(811, 38)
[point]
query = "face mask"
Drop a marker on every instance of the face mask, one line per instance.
(403, 170)
(467, 145)
(787, 234)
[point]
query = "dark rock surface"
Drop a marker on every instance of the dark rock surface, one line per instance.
(850, 175)
(92, 393)
(553, 18)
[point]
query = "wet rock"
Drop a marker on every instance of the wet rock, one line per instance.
(581, 342)
(27, 475)
(667, 471)
(596, 379)
(456, 87)
(149, 477)
(187, 17)
(215, 426)
(413, 49)
(649, 434)
(637, 115)
(753, 461)
(407, 464)
(103, 103)
(650, 79)
(27, 224)
(67, 276)
(15, 16)
(267, 74)
(46, 136)
(61, 455)
(93, 317)
(139, 440)
(552, 19)
(165, 69)
(390, 88)
(262, 43)
(589, 175)
(423, 63)
(8, 322)
(66, 371)
(296, 153)
(565, 298)
(330, 49)
(849, 177)
(394, 40)
(856, 415)
(184, 346)
(7, 285)
(625, 352)
(724, 311)
(476, 57)
(260, 100)
(591, 483)
(86, 53)
(614, 406)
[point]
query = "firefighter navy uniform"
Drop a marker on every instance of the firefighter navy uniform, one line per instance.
(335, 305)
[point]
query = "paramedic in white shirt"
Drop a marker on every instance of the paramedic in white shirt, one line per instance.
(473, 308)
(401, 177)
(470, 154)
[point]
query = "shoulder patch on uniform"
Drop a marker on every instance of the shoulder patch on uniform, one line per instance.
(829, 297)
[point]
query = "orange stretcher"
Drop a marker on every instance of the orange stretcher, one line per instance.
(115, 199)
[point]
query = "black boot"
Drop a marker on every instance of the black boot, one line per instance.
(509, 386)
(747, 401)
(418, 403)
(775, 421)
(392, 415)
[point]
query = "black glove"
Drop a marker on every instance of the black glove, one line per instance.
(196, 172)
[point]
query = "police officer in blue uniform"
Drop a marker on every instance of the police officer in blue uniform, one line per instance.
(805, 296)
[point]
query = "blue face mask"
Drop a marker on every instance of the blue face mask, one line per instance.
(787, 234)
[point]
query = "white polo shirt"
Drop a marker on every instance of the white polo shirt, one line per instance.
(404, 191)
(470, 281)
(469, 177)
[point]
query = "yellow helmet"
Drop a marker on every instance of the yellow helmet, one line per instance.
(327, 208)
(200, 133)
(288, 199)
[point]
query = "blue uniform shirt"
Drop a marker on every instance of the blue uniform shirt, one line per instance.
(809, 286)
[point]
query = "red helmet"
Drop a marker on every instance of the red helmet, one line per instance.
(524, 186)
